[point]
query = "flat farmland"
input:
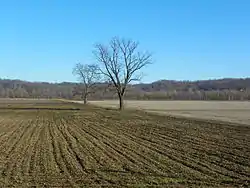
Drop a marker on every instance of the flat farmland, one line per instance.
(35, 104)
(230, 111)
(59, 144)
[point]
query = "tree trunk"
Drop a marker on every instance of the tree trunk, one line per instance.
(121, 102)
(85, 98)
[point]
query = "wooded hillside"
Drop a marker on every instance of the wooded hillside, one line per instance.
(222, 89)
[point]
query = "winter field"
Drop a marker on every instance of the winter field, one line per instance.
(51, 143)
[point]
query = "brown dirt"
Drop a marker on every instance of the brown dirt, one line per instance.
(97, 147)
(228, 111)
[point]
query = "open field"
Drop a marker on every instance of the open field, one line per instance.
(36, 104)
(93, 147)
(231, 111)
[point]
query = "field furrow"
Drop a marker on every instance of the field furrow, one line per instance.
(95, 147)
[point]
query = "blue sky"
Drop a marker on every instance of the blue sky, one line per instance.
(41, 40)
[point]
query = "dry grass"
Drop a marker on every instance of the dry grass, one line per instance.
(231, 111)
(94, 147)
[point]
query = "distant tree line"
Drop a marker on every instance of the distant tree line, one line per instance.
(223, 89)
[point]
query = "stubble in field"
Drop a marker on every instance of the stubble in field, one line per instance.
(228, 111)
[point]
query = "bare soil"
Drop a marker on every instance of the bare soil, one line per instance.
(97, 147)
(229, 111)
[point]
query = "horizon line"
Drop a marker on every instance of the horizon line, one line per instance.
(196, 80)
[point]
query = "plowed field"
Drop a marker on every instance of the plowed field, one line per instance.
(94, 147)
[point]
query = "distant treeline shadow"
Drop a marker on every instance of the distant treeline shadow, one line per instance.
(37, 108)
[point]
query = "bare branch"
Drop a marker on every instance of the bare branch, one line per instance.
(120, 62)
(88, 75)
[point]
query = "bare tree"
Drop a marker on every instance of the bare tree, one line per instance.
(88, 76)
(120, 62)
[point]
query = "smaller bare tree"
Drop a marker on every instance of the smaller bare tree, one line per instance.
(120, 62)
(88, 76)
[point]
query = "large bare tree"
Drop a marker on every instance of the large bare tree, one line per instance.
(88, 76)
(121, 62)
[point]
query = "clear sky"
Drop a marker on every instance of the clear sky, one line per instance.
(41, 40)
